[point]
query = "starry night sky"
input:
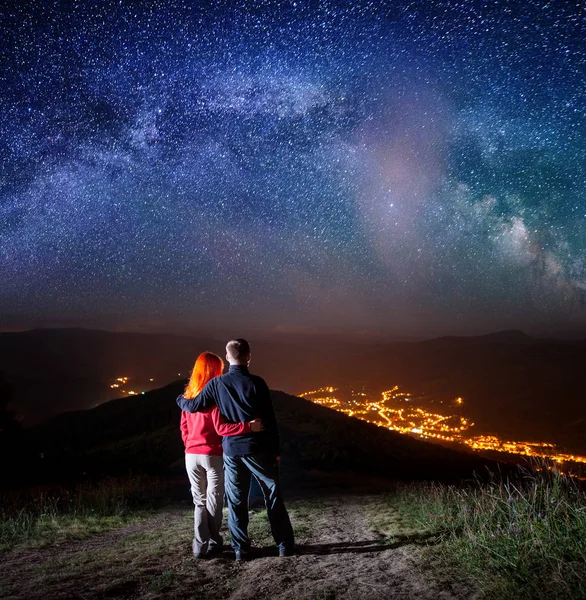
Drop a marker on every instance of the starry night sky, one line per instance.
(398, 169)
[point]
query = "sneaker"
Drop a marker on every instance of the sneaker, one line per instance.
(286, 551)
(241, 554)
(198, 550)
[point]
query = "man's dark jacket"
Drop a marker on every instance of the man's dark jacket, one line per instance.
(241, 397)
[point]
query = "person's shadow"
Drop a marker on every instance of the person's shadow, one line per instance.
(359, 547)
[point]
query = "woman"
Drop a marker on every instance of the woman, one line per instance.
(201, 433)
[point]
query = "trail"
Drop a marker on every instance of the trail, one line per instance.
(339, 557)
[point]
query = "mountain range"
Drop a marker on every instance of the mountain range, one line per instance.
(512, 384)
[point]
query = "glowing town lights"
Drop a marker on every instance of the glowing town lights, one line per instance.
(325, 390)
(120, 382)
(391, 412)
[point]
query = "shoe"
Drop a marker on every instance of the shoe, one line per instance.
(198, 550)
(215, 549)
(286, 551)
(241, 554)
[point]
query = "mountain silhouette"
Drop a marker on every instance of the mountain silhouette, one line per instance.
(513, 385)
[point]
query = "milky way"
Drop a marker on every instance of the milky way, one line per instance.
(398, 169)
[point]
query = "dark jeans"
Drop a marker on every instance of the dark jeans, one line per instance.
(238, 471)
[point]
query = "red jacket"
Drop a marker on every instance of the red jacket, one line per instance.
(202, 431)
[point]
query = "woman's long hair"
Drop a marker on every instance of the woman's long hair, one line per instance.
(207, 366)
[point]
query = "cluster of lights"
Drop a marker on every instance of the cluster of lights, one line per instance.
(409, 419)
(121, 382)
(325, 390)
(329, 401)
(536, 449)
(393, 412)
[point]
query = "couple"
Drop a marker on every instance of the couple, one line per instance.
(238, 407)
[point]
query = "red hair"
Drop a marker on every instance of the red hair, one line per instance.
(207, 366)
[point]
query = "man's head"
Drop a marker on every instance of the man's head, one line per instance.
(238, 352)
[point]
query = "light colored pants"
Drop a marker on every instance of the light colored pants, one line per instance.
(206, 476)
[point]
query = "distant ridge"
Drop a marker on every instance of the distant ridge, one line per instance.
(509, 336)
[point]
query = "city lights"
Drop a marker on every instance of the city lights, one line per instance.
(398, 411)
(121, 382)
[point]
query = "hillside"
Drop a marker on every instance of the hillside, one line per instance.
(513, 385)
(364, 528)
(141, 434)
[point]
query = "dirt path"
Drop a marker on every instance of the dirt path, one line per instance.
(339, 558)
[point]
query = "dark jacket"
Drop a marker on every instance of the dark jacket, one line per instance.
(241, 397)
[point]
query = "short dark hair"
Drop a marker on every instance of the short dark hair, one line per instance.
(238, 349)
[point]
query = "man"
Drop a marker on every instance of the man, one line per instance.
(243, 397)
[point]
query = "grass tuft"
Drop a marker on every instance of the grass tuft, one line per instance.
(522, 538)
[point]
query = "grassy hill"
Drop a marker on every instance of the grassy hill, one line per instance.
(356, 509)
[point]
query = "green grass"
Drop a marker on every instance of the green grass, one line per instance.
(509, 539)
(162, 582)
(43, 516)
